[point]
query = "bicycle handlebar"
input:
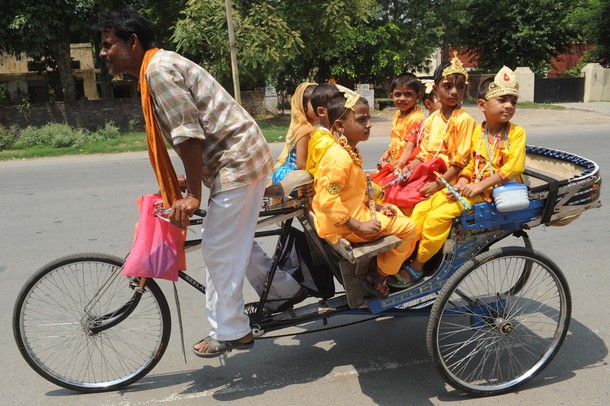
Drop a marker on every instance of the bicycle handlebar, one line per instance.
(164, 212)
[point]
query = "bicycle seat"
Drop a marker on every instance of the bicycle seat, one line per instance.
(292, 180)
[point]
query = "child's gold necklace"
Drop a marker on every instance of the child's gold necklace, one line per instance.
(480, 171)
(354, 153)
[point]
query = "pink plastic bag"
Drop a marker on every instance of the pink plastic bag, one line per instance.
(158, 247)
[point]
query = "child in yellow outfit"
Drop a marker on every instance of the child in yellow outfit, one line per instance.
(430, 102)
(321, 139)
(407, 121)
(341, 203)
(447, 135)
(447, 131)
(497, 156)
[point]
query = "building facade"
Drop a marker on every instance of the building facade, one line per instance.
(27, 80)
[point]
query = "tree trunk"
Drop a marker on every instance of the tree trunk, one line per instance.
(445, 51)
(61, 55)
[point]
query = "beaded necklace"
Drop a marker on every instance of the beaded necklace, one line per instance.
(479, 171)
(354, 153)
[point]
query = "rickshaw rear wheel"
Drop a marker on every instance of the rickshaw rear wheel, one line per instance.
(486, 336)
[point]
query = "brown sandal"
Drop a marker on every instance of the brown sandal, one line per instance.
(217, 347)
(375, 283)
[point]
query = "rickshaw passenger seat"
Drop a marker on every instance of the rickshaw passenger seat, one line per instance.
(292, 181)
(358, 252)
(357, 259)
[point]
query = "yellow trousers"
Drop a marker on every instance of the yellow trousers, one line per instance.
(389, 262)
(433, 218)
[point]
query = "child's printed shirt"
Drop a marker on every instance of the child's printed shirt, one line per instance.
(405, 129)
(450, 139)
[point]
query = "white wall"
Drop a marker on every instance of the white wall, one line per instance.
(597, 83)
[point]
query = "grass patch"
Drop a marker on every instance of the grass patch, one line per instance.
(135, 141)
(100, 142)
(532, 105)
(274, 128)
(522, 105)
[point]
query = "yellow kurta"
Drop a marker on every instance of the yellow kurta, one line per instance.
(404, 129)
(508, 159)
(341, 193)
(433, 217)
(320, 141)
(450, 139)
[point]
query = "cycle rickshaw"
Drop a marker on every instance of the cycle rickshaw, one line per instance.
(497, 316)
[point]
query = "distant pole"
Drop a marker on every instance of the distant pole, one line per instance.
(234, 68)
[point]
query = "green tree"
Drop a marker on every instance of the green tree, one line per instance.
(263, 39)
(400, 36)
(451, 16)
(517, 32)
(593, 19)
(280, 42)
(44, 30)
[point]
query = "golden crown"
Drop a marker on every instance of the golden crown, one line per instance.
(428, 85)
(505, 83)
(456, 67)
(351, 97)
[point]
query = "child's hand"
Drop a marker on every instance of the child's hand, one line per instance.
(383, 161)
(404, 170)
(413, 164)
(458, 187)
(373, 226)
(387, 210)
(430, 188)
(472, 189)
(450, 196)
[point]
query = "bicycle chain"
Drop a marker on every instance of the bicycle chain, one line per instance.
(265, 337)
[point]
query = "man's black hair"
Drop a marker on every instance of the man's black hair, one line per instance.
(127, 22)
(322, 94)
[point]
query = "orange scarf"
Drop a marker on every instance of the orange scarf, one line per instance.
(157, 152)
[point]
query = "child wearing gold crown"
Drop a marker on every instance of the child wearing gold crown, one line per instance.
(497, 155)
(445, 142)
(343, 203)
(448, 130)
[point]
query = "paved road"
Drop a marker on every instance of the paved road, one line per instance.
(53, 207)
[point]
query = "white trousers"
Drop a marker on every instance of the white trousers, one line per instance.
(227, 236)
(283, 286)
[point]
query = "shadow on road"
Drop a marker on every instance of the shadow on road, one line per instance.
(388, 355)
